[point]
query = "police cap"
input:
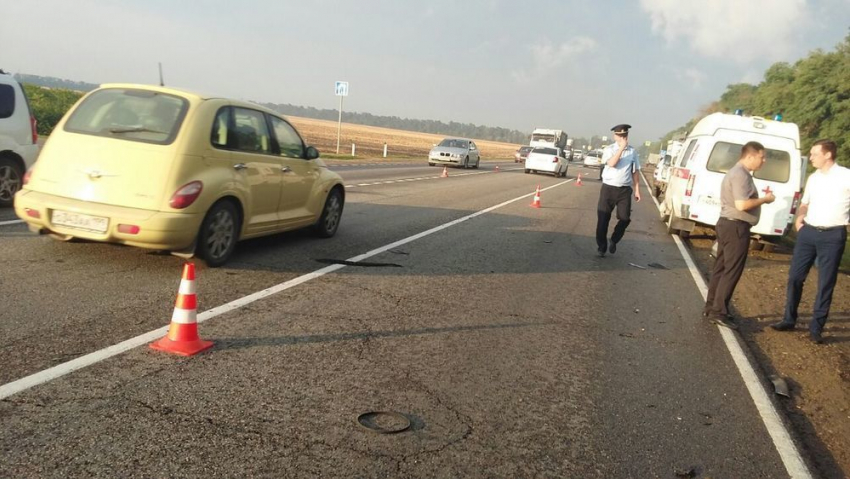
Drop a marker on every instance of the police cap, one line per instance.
(621, 129)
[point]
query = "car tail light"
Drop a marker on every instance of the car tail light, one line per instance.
(795, 203)
(555, 159)
(27, 176)
(129, 229)
(33, 125)
(186, 195)
(32, 213)
(690, 187)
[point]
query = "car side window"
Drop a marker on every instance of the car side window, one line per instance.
(472, 146)
(220, 127)
(7, 101)
(250, 132)
(688, 151)
(290, 143)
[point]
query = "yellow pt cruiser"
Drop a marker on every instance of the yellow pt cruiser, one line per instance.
(172, 170)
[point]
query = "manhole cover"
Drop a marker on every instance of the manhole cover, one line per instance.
(384, 422)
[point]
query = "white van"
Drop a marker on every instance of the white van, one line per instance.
(714, 146)
(18, 137)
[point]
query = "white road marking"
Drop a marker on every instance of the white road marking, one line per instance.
(60, 370)
(12, 222)
(785, 446)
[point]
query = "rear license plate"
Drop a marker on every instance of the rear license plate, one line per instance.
(80, 221)
(709, 201)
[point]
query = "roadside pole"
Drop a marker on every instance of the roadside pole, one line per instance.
(341, 90)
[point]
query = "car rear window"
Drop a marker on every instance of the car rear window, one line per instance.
(525, 149)
(7, 101)
(546, 151)
(130, 114)
(777, 165)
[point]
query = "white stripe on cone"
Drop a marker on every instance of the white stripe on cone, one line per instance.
(187, 286)
(184, 316)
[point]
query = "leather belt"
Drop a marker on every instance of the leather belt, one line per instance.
(826, 228)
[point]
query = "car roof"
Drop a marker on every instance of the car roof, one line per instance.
(186, 93)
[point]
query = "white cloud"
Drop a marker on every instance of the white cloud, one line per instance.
(547, 57)
(743, 31)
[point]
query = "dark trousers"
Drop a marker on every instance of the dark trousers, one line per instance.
(733, 241)
(826, 247)
(610, 197)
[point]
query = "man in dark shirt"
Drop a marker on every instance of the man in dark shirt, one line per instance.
(740, 208)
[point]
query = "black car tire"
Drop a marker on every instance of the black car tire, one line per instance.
(219, 234)
(331, 215)
(11, 180)
(527, 171)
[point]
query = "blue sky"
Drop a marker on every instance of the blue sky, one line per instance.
(579, 65)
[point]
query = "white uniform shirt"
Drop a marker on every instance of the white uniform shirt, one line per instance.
(828, 197)
(620, 175)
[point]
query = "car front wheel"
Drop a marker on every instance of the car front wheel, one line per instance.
(219, 233)
(331, 215)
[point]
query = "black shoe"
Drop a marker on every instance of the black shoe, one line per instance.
(816, 337)
(783, 326)
(600, 253)
(711, 315)
(612, 248)
(725, 321)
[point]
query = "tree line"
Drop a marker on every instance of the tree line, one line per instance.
(813, 92)
(51, 97)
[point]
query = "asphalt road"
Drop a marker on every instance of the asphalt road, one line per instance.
(513, 350)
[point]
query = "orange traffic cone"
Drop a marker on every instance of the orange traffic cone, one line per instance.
(578, 180)
(183, 336)
(536, 202)
(445, 172)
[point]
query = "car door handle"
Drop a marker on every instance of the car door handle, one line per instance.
(285, 169)
(240, 166)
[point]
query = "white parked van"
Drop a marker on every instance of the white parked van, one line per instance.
(18, 137)
(714, 146)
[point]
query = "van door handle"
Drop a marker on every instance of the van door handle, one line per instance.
(240, 166)
(285, 169)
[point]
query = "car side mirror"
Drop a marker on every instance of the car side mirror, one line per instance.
(312, 153)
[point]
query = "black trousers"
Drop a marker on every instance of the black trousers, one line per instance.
(610, 197)
(733, 241)
(827, 247)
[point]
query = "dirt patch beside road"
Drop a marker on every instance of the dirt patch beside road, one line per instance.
(818, 375)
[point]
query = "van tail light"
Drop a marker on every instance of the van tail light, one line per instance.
(34, 125)
(554, 159)
(690, 188)
(27, 176)
(795, 203)
(186, 195)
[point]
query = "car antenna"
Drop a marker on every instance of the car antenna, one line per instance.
(161, 82)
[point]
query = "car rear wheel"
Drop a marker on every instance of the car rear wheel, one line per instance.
(219, 233)
(11, 179)
(527, 171)
(331, 215)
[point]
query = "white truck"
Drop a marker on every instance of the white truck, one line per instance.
(546, 137)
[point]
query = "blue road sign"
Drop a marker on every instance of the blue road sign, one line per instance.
(341, 88)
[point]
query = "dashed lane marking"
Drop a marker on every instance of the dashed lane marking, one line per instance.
(11, 222)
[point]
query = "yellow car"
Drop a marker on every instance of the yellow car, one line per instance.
(167, 169)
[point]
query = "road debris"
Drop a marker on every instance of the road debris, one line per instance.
(780, 386)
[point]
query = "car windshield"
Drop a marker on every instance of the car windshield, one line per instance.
(135, 115)
(452, 143)
(777, 166)
(542, 137)
(593, 153)
(546, 151)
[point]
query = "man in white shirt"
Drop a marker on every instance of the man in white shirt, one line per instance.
(619, 180)
(821, 225)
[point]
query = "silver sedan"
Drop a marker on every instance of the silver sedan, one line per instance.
(455, 151)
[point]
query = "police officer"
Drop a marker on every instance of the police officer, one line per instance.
(821, 235)
(740, 209)
(619, 178)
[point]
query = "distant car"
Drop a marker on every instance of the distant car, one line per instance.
(521, 154)
(661, 175)
(547, 159)
(593, 159)
(578, 155)
(18, 138)
(170, 170)
(456, 152)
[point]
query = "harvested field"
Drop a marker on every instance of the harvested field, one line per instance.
(370, 140)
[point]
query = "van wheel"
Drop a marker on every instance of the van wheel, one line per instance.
(219, 233)
(331, 215)
(527, 171)
(755, 245)
(11, 180)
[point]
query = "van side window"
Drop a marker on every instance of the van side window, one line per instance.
(250, 131)
(688, 152)
(291, 145)
(220, 127)
(777, 165)
(7, 101)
